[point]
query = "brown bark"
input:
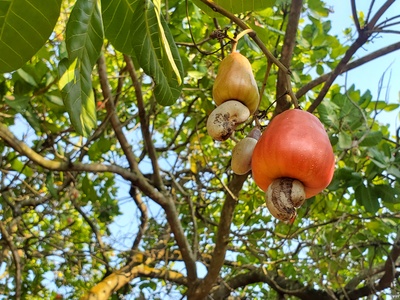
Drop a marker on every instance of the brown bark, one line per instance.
(202, 289)
(284, 100)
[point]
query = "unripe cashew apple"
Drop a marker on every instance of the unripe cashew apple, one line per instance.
(295, 145)
(235, 80)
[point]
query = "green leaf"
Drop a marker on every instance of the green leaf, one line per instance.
(156, 52)
(394, 171)
(328, 114)
(380, 104)
(372, 139)
(84, 39)
(18, 165)
(21, 105)
(367, 198)
(320, 70)
(117, 18)
(236, 6)
(318, 8)
(386, 193)
(377, 157)
(27, 77)
(50, 185)
(345, 140)
(31, 116)
(165, 41)
(99, 147)
(391, 106)
(24, 28)
(365, 99)
(89, 193)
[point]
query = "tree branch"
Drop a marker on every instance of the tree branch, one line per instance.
(279, 283)
(17, 260)
(355, 16)
(376, 54)
(289, 42)
(361, 40)
(390, 264)
(180, 237)
(363, 275)
(115, 123)
(112, 283)
(371, 24)
(363, 36)
(56, 165)
(252, 34)
(387, 278)
(162, 199)
(143, 216)
(148, 142)
(222, 239)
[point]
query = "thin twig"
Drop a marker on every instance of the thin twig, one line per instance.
(17, 260)
(371, 6)
(379, 13)
(379, 30)
(143, 217)
(158, 182)
(386, 23)
(239, 36)
(197, 44)
(95, 231)
(253, 35)
(222, 239)
(134, 176)
(142, 183)
(284, 86)
(355, 16)
(115, 123)
(262, 90)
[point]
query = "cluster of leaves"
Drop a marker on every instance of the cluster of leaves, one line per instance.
(92, 97)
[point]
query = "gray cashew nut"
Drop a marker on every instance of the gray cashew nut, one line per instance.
(283, 196)
(224, 119)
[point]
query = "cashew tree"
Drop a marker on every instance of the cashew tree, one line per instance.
(112, 188)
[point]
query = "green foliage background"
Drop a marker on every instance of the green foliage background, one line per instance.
(113, 97)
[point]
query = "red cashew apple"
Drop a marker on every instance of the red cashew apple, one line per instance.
(294, 150)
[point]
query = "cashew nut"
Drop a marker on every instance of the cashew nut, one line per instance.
(283, 196)
(223, 120)
(243, 151)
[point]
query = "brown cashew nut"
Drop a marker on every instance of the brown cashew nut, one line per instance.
(283, 196)
(224, 118)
